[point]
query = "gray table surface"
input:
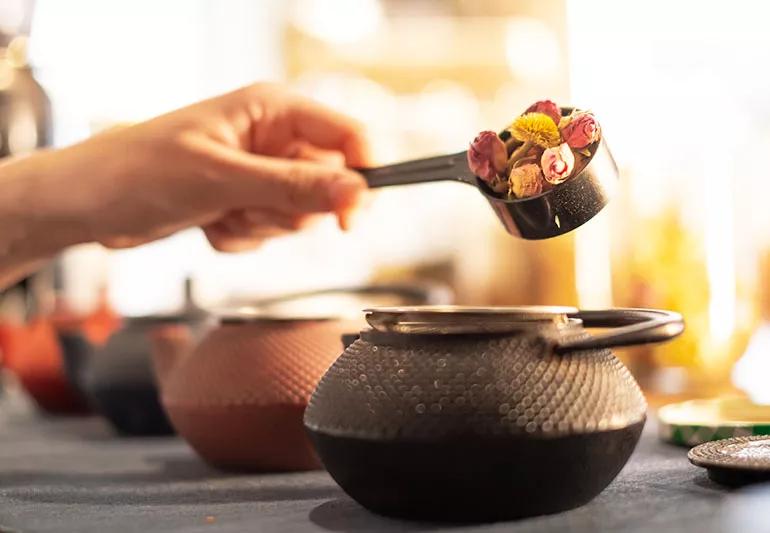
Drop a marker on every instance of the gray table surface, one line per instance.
(75, 475)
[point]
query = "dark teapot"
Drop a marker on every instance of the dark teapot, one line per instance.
(478, 414)
(118, 377)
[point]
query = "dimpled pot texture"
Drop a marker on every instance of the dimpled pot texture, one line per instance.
(239, 397)
(474, 427)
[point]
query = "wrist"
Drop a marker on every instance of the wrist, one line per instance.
(34, 223)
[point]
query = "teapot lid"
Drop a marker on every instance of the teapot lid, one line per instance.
(457, 319)
(342, 303)
(162, 318)
(253, 313)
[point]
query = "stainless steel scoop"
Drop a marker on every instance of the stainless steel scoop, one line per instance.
(552, 213)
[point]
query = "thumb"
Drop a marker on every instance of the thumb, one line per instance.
(290, 186)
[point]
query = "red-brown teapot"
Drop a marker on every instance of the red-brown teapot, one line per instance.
(239, 396)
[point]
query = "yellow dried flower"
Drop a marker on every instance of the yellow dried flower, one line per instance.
(537, 128)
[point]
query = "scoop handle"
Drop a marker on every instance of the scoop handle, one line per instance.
(453, 167)
(629, 327)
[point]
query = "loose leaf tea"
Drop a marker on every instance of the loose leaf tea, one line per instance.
(543, 151)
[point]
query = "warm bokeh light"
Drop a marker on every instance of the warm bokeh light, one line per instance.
(338, 21)
(751, 371)
(532, 50)
(642, 73)
(12, 16)
(7, 74)
(682, 107)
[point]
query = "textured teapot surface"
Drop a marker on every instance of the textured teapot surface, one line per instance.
(429, 387)
(255, 364)
(238, 399)
(461, 413)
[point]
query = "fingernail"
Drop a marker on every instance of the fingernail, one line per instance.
(342, 221)
(349, 218)
(345, 192)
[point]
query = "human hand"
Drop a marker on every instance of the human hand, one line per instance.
(246, 166)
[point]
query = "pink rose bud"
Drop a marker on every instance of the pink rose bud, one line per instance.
(526, 180)
(557, 163)
(547, 107)
(487, 156)
(580, 130)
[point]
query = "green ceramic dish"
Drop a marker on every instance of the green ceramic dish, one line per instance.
(697, 421)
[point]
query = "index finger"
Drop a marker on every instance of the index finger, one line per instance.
(328, 129)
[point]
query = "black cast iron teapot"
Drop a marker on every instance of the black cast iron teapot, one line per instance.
(457, 413)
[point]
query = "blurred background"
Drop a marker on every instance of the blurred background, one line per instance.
(680, 89)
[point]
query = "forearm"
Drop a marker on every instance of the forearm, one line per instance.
(30, 229)
(226, 165)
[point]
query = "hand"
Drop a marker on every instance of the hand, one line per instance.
(246, 166)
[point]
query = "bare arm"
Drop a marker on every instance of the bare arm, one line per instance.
(246, 166)
(29, 233)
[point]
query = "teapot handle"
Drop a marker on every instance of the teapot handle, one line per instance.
(630, 327)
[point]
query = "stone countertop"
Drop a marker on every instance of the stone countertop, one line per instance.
(73, 474)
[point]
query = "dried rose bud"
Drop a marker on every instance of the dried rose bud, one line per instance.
(487, 155)
(580, 129)
(546, 107)
(557, 163)
(526, 180)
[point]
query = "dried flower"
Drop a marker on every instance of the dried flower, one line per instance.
(499, 184)
(526, 180)
(557, 163)
(580, 129)
(487, 156)
(547, 107)
(536, 128)
(543, 152)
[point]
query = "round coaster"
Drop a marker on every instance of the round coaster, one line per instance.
(697, 421)
(736, 461)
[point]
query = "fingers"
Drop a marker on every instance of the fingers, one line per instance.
(328, 129)
(307, 152)
(245, 230)
(313, 145)
(288, 186)
(222, 240)
(256, 224)
(265, 217)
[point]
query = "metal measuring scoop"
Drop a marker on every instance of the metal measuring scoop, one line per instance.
(549, 214)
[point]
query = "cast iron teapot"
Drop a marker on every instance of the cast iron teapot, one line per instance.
(459, 413)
